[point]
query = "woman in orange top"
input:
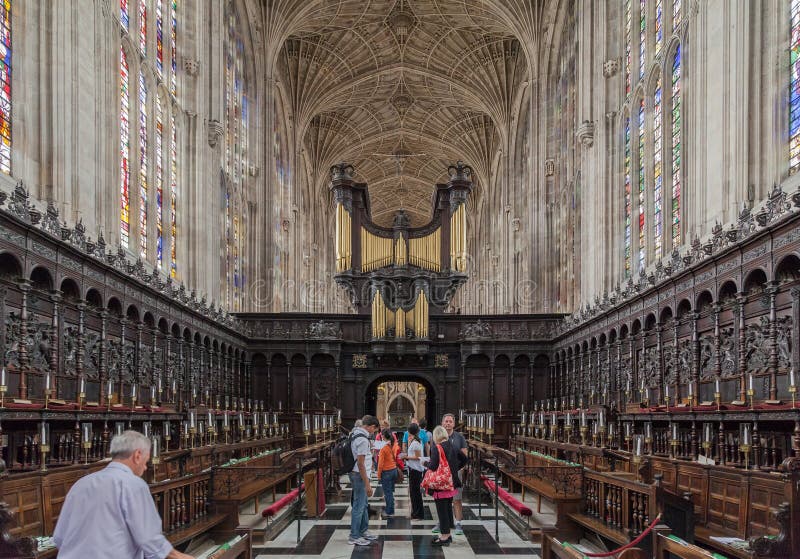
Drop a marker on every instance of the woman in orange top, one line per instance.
(387, 472)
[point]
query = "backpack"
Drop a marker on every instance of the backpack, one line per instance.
(342, 459)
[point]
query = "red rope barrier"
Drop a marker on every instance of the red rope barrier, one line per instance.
(628, 545)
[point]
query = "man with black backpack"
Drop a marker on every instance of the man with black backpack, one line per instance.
(359, 480)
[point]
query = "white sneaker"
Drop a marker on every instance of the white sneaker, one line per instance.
(369, 536)
(358, 541)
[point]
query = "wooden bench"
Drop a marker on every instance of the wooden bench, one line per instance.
(668, 546)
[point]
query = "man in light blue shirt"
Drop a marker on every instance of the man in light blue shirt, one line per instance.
(111, 513)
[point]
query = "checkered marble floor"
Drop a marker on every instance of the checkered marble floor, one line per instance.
(398, 537)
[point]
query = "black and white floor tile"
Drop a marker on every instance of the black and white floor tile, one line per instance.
(398, 537)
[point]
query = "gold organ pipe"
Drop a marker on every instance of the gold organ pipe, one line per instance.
(377, 251)
(343, 241)
(400, 251)
(425, 252)
(458, 242)
(378, 316)
(400, 323)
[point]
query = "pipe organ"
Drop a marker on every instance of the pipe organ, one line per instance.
(458, 233)
(414, 319)
(377, 251)
(425, 252)
(343, 245)
(400, 274)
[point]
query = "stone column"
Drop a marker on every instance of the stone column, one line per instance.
(695, 372)
(309, 400)
(124, 363)
(772, 292)
(741, 344)
(24, 287)
(491, 384)
(462, 385)
(80, 346)
(338, 389)
(55, 336)
(102, 373)
(660, 356)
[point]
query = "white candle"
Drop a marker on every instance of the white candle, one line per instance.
(500, 409)
(716, 386)
(791, 377)
(86, 432)
(48, 381)
(3, 377)
(691, 389)
(750, 381)
(666, 391)
(638, 448)
(110, 388)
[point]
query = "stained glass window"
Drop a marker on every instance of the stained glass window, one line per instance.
(159, 161)
(628, 197)
(676, 14)
(5, 86)
(794, 90)
(124, 150)
(659, 27)
(173, 204)
(143, 26)
(143, 160)
(676, 147)
(123, 13)
(159, 39)
(658, 203)
(642, 230)
(642, 35)
(173, 45)
(628, 46)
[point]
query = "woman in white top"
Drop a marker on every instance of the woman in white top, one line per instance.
(415, 471)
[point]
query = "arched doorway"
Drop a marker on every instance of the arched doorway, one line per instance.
(391, 397)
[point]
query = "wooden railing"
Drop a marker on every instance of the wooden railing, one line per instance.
(620, 503)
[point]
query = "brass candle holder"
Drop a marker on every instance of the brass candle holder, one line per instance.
(44, 444)
(87, 446)
(3, 387)
(44, 449)
(793, 392)
(751, 396)
(167, 438)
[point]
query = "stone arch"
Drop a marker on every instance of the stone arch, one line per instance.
(727, 291)
(10, 267)
(755, 281)
(41, 278)
(788, 269)
(70, 290)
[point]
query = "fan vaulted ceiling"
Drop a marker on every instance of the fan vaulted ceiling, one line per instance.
(402, 89)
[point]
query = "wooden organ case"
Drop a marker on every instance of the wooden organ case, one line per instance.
(400, 274)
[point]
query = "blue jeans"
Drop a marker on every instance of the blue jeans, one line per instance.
(388, 479)
(360, 515)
